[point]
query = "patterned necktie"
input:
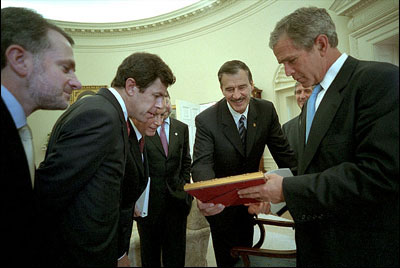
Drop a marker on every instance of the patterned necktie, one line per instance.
(311, 108)
(242, 131)
(26, 138)
(163, 138)
(141, 144)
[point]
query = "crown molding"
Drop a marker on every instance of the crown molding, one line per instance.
(125, 36)
(170, 19)
(349, 7)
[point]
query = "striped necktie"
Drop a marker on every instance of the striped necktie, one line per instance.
(311, 108)
(242, 131)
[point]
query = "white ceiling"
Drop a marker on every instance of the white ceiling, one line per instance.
(100, 11)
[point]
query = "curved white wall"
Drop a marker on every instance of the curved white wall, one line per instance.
(194, 49)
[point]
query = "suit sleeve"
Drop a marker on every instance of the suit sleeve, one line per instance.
(279, 146)
(186, 158)
(73, 159)
(203, 153)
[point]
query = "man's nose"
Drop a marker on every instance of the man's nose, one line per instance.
(74, 82)
(289, 71)
(236, 94)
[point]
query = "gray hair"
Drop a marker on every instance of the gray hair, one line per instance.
(25, 27)
(303, 26)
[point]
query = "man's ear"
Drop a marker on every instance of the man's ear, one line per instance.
(19, 59)
(130, 87)
(321, 43)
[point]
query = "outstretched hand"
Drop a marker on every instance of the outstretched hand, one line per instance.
(209, 209)
(257, 208)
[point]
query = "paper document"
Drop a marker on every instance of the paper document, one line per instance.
(143, 202)
(279, 208)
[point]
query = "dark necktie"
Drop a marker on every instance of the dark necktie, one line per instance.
(311, 108)
(163, 138)
(242, 131)
(141, 144)
(128, 126)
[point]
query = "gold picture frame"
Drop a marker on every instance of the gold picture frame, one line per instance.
(84, 91)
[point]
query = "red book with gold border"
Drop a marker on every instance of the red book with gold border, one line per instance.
(224, 190)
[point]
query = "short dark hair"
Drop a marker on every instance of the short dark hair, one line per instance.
(25, 27)
(145, 68)
(303, 26)
(233, 67)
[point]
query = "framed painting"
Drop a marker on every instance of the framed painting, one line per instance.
(84, 92)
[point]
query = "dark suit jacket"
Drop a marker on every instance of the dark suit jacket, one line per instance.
(174, 169)
(18, 200)
(218, 151)
(346, 206)
(291, 131)
(79, 183)
(135, 181)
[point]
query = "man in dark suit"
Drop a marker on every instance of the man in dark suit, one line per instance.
(345, 201)
(135, 179)
(163, 231)
(219, 151)
(32, 78)
(79, 181)
(291, 128)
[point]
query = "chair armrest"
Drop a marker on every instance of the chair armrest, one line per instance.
(275, 222)
(261, 222)
(238, 251)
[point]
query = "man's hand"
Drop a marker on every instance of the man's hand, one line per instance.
(271, 191)
(136, 212)
(209, 209)
(124, 261)
(257, 208)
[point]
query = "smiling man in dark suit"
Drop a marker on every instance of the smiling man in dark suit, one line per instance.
(163, 231)
(79, 181)
(345, 201)
(221, 151)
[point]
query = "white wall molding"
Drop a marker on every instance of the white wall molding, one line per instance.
(371, 21)
(170, 19)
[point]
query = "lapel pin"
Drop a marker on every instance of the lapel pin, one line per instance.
(176, 134)
(254, 125)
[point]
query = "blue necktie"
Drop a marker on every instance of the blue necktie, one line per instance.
(311, 108)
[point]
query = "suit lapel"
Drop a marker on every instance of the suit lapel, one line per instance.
(229, 128)
(173, 136)
(157, 143)
(325, 114)
(251, 126)
(135, 151)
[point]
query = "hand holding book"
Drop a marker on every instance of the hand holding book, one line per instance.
(224, 190)
(271, 191)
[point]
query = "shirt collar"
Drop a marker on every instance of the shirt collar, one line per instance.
(167, 121)
(120, 101)
(236, 115)
(14, 107)
(333, 71)
(138, 134)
